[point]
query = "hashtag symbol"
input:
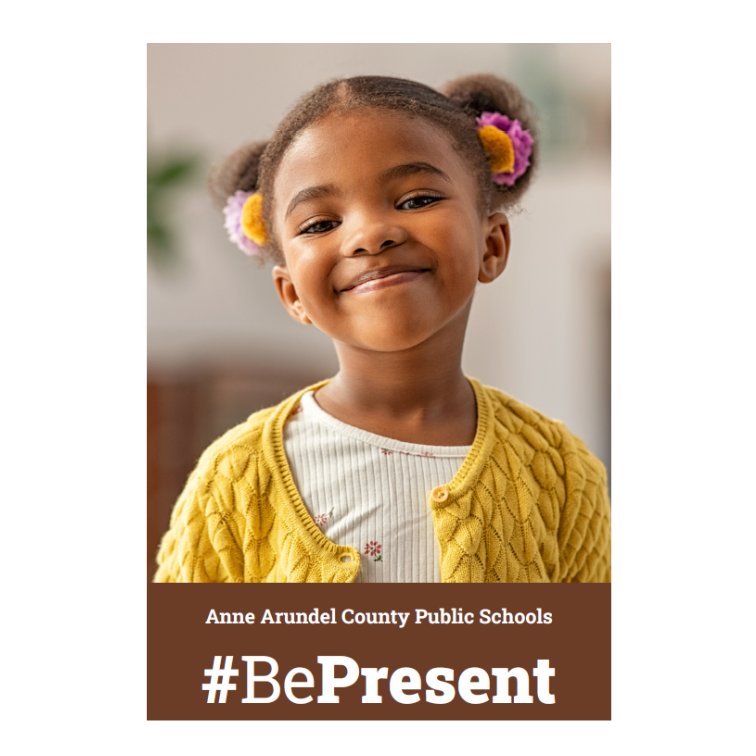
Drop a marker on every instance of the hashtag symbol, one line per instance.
(221, 687)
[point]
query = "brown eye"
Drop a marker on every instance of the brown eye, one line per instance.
(319, 227)
(423, 200)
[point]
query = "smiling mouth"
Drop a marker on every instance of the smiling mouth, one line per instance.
(379, 279)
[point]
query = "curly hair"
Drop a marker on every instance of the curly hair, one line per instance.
(253, 167)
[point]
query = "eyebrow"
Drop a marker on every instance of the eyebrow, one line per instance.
(410, 169)
(310, 193)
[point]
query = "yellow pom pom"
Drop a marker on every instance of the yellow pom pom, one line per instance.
(252, 221)
(499, 148)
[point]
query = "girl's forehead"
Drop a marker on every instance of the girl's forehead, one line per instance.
(342, 146)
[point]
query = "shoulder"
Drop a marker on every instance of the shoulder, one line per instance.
(230, 455)
(531, 433)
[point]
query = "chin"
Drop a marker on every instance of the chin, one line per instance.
(393, 341)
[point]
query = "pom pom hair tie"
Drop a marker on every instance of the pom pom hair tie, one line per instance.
(245, 223)
(507, 145)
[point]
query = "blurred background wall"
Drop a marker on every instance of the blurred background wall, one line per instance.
(220, 344)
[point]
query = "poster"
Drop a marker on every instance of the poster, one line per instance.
(221, 346)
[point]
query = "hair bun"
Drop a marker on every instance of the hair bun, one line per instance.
(486, 93)
(238, 172)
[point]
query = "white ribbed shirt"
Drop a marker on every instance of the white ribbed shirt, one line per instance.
(370, 492)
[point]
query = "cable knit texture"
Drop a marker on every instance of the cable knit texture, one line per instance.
(528, 505)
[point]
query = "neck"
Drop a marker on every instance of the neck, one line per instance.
(418, 395)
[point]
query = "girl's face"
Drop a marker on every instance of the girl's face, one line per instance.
(380, 228)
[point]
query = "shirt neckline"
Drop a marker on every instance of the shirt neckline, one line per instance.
(313, 410)
(278, 466)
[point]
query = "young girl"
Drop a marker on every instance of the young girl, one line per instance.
(381, 202)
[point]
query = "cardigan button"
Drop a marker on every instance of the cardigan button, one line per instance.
(440, 494)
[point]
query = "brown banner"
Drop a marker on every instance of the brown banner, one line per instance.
(379, 652)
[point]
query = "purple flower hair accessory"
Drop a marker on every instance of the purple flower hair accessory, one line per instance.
(233, 213)
(522, 143)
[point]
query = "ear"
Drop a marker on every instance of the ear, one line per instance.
(497, 248)
(288, 294)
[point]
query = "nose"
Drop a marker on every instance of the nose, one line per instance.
(373, 235)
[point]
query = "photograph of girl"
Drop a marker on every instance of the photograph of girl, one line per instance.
(381, 207)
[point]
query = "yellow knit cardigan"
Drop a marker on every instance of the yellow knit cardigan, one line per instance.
(528, 505)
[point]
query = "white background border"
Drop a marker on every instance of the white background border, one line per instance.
(74, 398)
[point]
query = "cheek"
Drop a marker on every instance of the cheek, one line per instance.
(309, 274)
(463, 246)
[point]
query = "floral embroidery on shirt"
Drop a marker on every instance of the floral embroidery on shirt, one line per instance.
(386, 451)
(373, 549)
(322, 519)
